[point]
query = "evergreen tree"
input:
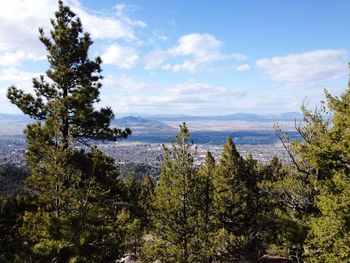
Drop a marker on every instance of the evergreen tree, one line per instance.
(329, 237)
(175, 216)
(237, 201)
(12, 179)
(207, 217)
(146, 201)
(321, 160)
(12, 246)
(140, 193)
(284, 200)
(77, 194)
(227, 200)
(323, 154)
(74, 82)
(77, 204)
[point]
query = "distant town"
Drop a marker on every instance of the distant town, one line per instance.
(12, 149)
(252, 134)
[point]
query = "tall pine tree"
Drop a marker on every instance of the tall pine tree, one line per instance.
(237, 202)
(77, 194)
(207, 215)
(175, 214)
(74, 82)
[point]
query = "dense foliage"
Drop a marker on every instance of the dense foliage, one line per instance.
(12, 179)
(75, 207)
(76, 197)
(323, 156)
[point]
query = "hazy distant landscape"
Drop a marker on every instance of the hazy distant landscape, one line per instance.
(247, 129)
(252, 133)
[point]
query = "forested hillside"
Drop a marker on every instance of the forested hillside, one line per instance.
(75, 207)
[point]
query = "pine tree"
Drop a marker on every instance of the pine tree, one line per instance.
(329, 237)
(77, 204)
(323, 155)
(321, 161)
(74, 82)
(140, 193)
(146, 200)
(237, 203)
(226, 183)
(207, 218)
(12, 245)
(175, 215)
(77, 193)
(283, 201)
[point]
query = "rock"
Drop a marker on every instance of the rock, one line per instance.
(128, 258)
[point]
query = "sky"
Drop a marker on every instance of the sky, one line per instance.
(196, 57)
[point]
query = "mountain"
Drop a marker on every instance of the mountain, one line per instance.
(292, 115)
(13, 124)
(158, 118)
(161, 123)
(140, 125)
(132, 120)
(288, 116)
(14, 117)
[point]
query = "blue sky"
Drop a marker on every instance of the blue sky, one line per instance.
(192, 57)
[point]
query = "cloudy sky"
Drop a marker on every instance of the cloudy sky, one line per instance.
(192, 57)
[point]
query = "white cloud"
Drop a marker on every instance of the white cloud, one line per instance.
(20, 20)
(155, 58)
(16, 76)
(121, 11)
(184, 96)
(314, 66)
(203, 47)
(19, 78)
(188, 97)
(156, 37)
(189, 66)
(238, 56)
(196, 49)
(121, 56)
(110, 82)
(243, 67)
(192, 97)
(11, 59)
(109, 26)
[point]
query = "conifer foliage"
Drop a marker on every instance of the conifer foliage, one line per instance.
(323, 156)
(74, 83)
(77, 194)
(239, 205)
(75, 208)
(175, 213)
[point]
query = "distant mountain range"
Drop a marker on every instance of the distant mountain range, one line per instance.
(152, 118)
(127, 120)
(140, 125)
(287, 116)
(14, 117)
(147, 123)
